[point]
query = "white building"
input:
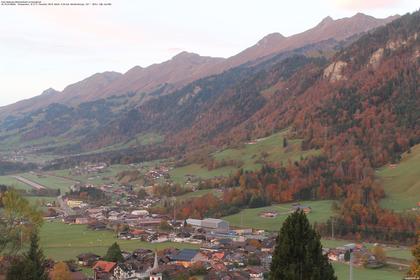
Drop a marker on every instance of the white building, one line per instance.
(209, 223)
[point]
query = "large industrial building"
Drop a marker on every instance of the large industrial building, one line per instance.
(210, 224)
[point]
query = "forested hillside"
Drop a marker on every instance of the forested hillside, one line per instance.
(360, 108)
(358, 105)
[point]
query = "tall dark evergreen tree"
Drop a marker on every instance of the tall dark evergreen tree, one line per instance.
(32, 265)
(298, 252)
(114, 253)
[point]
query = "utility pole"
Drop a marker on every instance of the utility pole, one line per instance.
(174, 209)
(351, 265)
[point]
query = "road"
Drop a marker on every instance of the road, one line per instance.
(63, 206)
(30, 183)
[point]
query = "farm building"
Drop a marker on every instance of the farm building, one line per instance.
(305, 209)
(209, 223)
(269, 214)
(140, 213)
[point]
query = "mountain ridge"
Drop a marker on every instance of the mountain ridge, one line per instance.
(186, 67)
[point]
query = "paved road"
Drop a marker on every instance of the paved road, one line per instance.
(397, 263)
(30, 183)
(63, 205)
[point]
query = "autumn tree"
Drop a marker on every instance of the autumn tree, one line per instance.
(18, 219)
(61, 271)
(298, 252)
(415, 266)
(379, 254)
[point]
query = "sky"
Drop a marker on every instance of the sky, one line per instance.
(53, 46)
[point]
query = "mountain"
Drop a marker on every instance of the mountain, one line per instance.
(85, 90)
(359, 83)
(327, 29)
(183, 68)
(186, 67)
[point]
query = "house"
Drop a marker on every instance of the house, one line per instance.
(148, 222)
(87, 259)
(305, 209)
(81, 221)
(256, 273)
(124, 271)
(209, 224)
(142, 213)
(269, 214)
(155, 276)
(103, 270)
(187, 257)
(74, 203)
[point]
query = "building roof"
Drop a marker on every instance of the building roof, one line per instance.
(104, 266)
(213, 223)
(185, 255)
(86, 256)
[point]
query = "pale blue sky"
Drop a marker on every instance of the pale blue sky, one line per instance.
(42, 47)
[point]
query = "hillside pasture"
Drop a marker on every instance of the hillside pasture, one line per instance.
(251, 154)
(269, 149)
(401, 182)
(251, 218)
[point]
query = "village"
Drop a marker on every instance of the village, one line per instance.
(220, 251)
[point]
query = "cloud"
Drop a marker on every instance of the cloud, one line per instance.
(358, 5)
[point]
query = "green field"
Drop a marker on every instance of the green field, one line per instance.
(39, 200)
(50, 182)
(342, 273)
(272, 145)
(106, 177)
(142, 139)
(402, 183)
(403, 253)
(248, 154)
(10, 181)
(321, 211)
(178, 174)
(195, 194)
(62, 242)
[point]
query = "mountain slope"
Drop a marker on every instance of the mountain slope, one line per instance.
(87, 89)
(186, 67)
(181, 69)
(327, 29)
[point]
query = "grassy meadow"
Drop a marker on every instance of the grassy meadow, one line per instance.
(342, 273)
(50, 182)
(62, 242)
(10, 181)
(402, 182)
(106, 177)
(321, 211)
(272, 145)
(249, 154)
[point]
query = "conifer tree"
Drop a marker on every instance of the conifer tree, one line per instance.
(32, 265)
(298, 252)
(114, 253)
